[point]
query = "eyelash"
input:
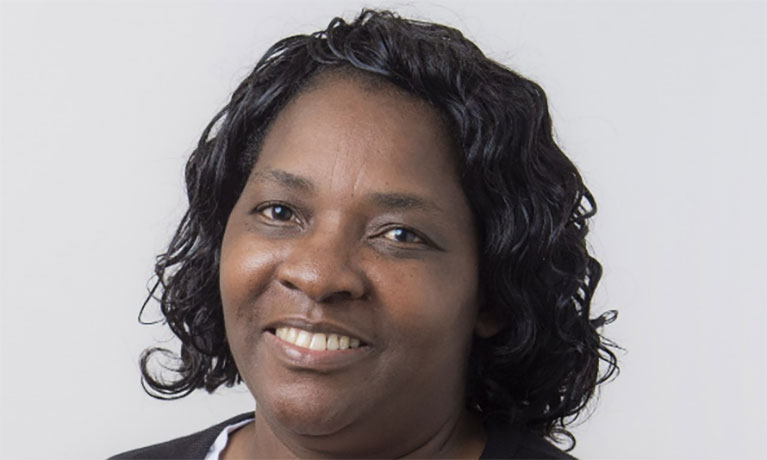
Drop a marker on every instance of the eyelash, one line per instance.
(416, 238)
(272, 206)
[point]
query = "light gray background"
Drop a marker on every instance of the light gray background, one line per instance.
(662, 105)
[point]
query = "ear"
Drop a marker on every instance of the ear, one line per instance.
(489, 322)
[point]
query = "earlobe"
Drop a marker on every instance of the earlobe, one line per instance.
(488, 323)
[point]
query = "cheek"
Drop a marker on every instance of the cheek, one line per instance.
(246, 269)
(431, 304)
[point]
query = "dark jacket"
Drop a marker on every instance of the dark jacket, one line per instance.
(502, 442)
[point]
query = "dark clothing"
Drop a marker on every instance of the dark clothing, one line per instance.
(502, 442)
(506, 442)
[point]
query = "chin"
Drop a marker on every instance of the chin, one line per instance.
(306, 410)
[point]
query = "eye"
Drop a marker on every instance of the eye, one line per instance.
(277, 212)
(403, 235)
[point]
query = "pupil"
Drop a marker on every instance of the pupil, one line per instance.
(281, 213)
(400, 235)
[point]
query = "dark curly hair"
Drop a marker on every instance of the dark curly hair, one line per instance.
(530, 205)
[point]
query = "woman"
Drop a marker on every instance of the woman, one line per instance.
(385, 244)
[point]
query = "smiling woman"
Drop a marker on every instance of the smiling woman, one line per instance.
(387, 247)
(375, 250)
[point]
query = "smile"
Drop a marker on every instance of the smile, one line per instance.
(323, 352)
(316, 340)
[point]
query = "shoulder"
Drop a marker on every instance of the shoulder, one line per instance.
(188, 447)
(504, 441)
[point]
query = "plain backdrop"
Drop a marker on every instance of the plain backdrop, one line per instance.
(662, 105)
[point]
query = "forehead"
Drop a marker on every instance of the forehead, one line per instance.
(345, 128)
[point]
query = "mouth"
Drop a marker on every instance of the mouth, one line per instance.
(320, 347)
(318, 341)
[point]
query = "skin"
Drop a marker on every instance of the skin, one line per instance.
(354, 214)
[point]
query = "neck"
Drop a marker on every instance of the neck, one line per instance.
(460, 435)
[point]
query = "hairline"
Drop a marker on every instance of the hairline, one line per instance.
(368, 81)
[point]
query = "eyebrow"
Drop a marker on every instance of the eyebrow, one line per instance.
(403, 201)
(392, 201)
(285, 179)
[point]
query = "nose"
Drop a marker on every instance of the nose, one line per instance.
(321, 265)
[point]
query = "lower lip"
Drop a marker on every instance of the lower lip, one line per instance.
(297, 357)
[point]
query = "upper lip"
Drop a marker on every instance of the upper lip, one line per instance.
(325, 326)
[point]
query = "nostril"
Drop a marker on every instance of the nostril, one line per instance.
(321, 282)
(338, 296)
(288, 285)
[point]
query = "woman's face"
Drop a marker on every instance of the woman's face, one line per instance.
(352, 227)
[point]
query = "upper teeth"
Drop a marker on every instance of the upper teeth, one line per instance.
(316, 341)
